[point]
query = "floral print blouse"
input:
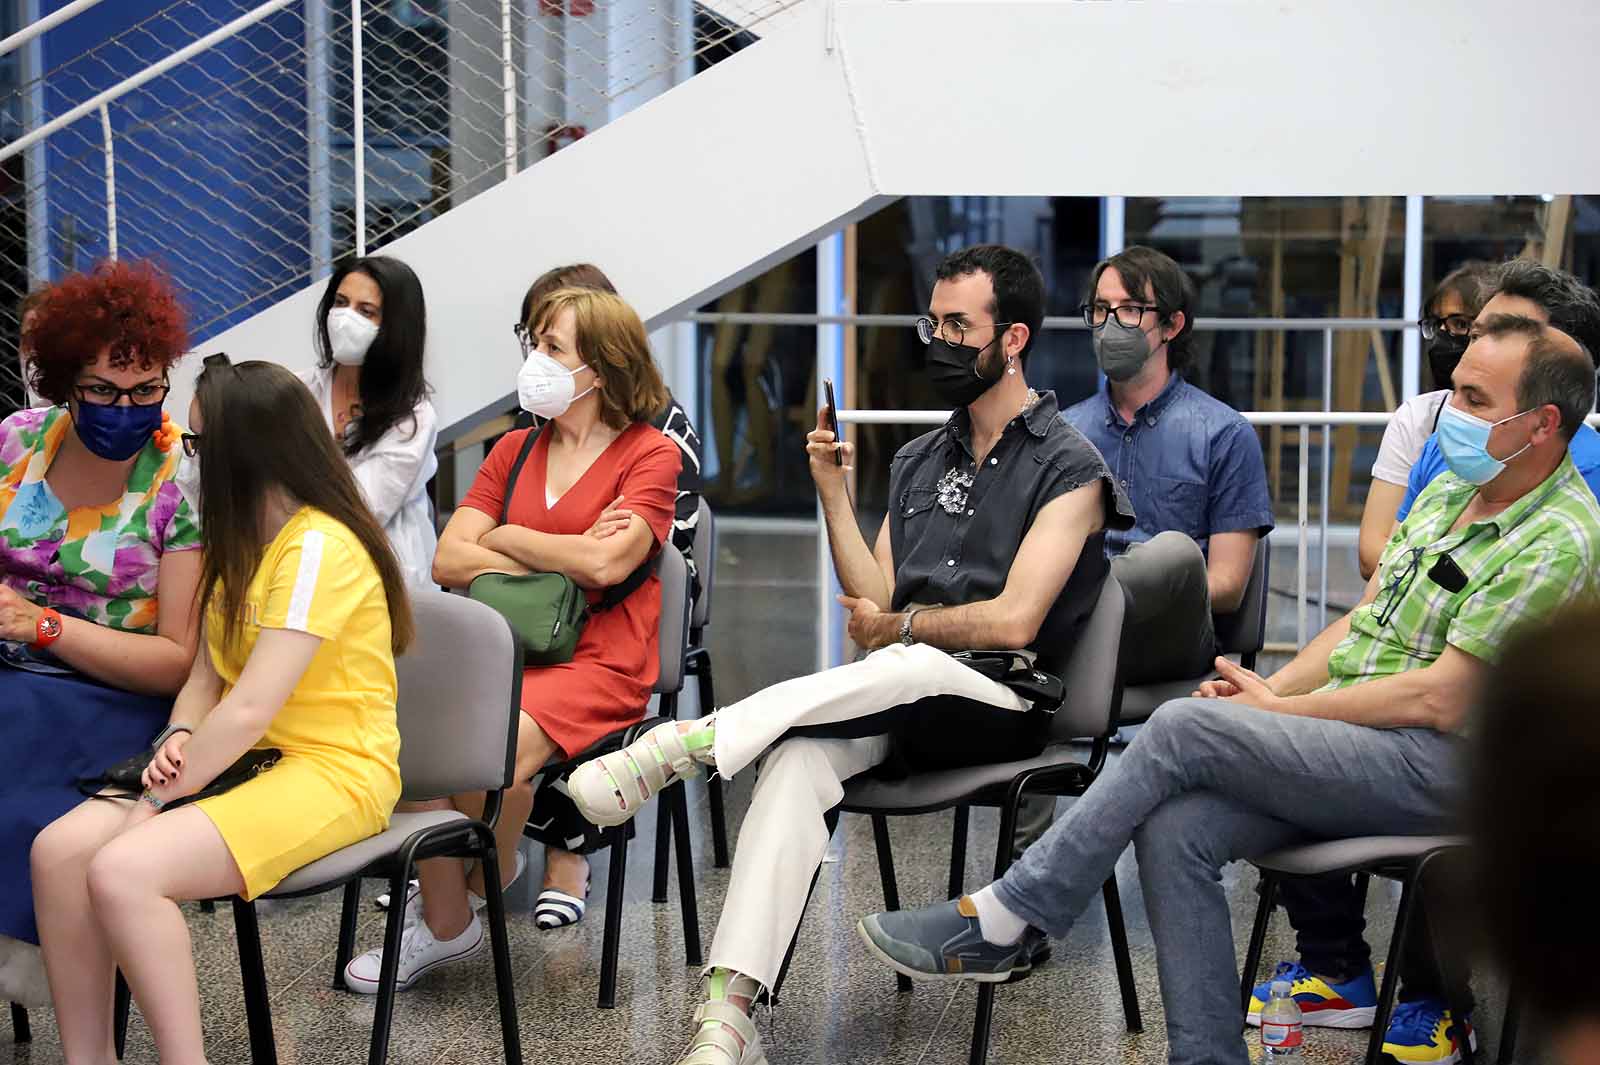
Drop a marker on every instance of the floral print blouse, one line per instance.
(100, 563)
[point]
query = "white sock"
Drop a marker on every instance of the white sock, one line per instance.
(999, 925)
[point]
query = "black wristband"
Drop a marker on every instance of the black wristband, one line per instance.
(167, 733)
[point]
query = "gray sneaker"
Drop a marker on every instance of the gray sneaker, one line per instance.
(943, 942)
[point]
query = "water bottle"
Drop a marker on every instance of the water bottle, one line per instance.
(1281, 1034)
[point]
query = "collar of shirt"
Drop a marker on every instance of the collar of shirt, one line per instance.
(1453, 494)
(1036, 418)
(1151, 412)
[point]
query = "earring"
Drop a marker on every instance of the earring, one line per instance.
(1011, 365)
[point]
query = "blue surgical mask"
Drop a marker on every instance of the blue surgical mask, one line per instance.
(1464, 443)
(116, 431)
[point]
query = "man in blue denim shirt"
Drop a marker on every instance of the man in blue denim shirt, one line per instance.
(1191, 464)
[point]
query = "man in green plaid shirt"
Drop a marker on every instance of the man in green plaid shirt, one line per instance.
(1359, 735)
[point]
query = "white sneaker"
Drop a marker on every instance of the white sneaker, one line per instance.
(420, 953)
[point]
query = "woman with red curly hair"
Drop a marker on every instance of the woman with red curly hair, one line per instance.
(98, 567)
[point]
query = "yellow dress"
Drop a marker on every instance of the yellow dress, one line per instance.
(339, 777)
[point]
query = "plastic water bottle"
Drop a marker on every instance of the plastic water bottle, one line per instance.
(1281, 1034)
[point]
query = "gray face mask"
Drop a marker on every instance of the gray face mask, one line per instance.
(1120, 351)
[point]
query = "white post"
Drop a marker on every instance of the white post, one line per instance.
(111, 184)
(508, 86)
(1113, 225)
(319, 172)
(1305, 489)
(360, 146)
(1327, 442)
(1411, 340)
(830, 365)
(33, 164)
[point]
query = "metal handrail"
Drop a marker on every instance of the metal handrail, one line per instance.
(1052, 322)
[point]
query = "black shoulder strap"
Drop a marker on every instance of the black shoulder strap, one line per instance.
(1436, 412)
(516, 471)
(617, 592)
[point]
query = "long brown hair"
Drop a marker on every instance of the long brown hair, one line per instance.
(612, 342)
(261, 430)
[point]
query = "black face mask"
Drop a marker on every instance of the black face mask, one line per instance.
(1444, 354)
(953, 372)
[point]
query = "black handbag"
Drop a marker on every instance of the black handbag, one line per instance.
(125, 780)
(1018, 672)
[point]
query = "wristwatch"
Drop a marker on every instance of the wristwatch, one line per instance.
(49, 629)
(905, 626)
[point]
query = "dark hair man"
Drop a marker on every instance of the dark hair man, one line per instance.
(993, 541)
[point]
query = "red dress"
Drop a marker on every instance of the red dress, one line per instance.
(607, 684)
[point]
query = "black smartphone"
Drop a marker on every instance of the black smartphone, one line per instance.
(833, 422)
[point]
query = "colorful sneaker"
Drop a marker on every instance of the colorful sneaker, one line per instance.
(1425, 1031)
(1323, 1004)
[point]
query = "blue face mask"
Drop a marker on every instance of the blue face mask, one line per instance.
(116, 432)
(1464, 443)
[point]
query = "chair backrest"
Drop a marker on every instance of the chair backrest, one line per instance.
(1244, 632)
(705, 559)
(674, 574)
(1089, 673)
(460, 693)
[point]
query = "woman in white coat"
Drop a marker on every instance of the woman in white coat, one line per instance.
(370, 331)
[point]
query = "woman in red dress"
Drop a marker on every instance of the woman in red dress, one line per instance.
(593, 499)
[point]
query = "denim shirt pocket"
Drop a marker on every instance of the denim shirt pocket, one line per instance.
(1179, 505)
(915, 503)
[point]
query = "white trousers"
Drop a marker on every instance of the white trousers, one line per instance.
(784, 836)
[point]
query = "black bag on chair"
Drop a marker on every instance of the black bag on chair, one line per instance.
(125, 779)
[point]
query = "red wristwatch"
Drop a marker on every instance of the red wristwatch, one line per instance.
(49, 629)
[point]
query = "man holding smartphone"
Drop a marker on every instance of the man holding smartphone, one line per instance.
(993, 542)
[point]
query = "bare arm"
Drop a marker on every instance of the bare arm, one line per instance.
(1011, 620)
(460, 557)
(155, 664)
(1229, 558)
(864, 572)
(591, 562)
(240, 718)
(1377, 522)
(1434, 697)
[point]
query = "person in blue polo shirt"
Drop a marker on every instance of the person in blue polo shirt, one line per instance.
(1191, 465)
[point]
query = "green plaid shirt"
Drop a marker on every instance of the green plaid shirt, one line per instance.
(1533, 557)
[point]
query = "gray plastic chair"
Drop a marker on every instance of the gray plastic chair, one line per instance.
(674, 644)
(697, 664)
(1088, 711)
(1402, 858)
(460, 687)
(1242, 633)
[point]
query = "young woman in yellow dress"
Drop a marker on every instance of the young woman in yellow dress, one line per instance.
(303, 611)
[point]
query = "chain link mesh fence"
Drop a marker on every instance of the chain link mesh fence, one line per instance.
(235, 170)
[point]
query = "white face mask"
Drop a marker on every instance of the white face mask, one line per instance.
(187, 478)
(545, 387)
(349, 336)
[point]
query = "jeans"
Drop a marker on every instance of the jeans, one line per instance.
(1207, 782)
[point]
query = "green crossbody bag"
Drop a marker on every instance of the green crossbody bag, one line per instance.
(547, 611)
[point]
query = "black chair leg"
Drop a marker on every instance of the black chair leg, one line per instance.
(678, 808)
(616, 880)
(21, 1030)
(891, 888)
(389, 971)
(1454, 979)
(252, 970)
(1258, 938)
(500, 944)
(958, 852)
(658, 885)
(719, 818)
(1508, 1029)
(121, 1004)
(1119, 954)
(1391, 970)
(981, 1024)
(347, 932)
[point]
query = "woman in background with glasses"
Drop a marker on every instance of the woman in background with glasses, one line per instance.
(98, 567)
(371, 329)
